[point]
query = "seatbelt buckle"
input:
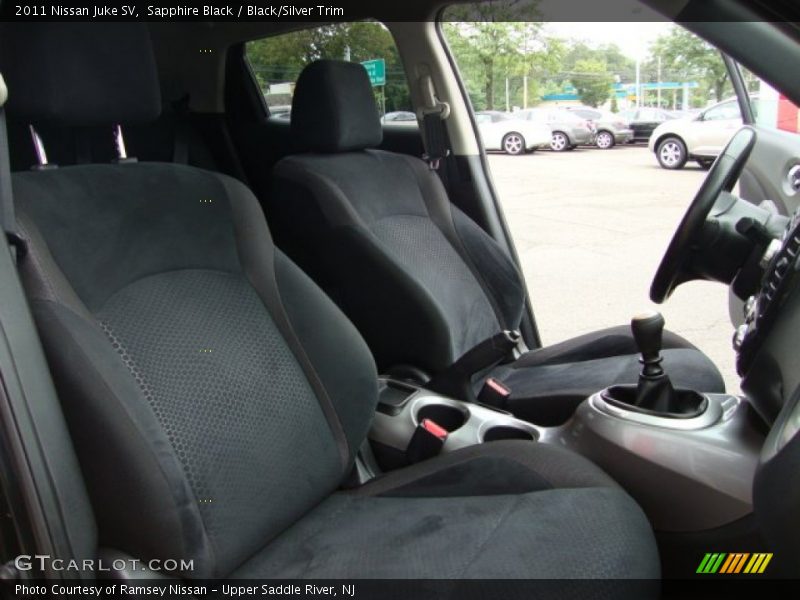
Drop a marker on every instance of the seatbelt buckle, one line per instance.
(428, 439)
(494, 393)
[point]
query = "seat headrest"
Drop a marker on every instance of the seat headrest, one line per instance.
(80, 74)
(334, 110)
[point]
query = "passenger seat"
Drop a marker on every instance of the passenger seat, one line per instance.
(422, 281)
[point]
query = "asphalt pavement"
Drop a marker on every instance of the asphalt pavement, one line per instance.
(591, 227)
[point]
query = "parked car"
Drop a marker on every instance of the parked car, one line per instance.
(699, 138)
(610, 129)
(643, 121)
(400, 117)
(569, 130)
(501, 131)
(282, 112)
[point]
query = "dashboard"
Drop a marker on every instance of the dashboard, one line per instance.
(768, 357)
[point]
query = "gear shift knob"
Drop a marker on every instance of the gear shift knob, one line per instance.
(647, 331)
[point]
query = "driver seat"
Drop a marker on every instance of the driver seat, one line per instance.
(423, 282)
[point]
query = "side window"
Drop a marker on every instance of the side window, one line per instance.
(513, 58)
(649, 114)
(725, 111)
(277, 61)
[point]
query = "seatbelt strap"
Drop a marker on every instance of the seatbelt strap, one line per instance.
(433, 115)
(7, 217)
(435, 139)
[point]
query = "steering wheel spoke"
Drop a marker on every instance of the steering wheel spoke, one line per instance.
(676, 266)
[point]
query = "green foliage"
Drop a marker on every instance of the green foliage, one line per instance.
(592, 81)
(281, 58)
(492, 41)
(617, 64)
(686, 57)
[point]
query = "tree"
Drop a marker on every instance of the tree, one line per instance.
(617, 63)
(281, 58)
(686, 57)
(592, 81)
(492, 41)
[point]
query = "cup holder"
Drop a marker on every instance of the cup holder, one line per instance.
(506, 432)
(444, 415)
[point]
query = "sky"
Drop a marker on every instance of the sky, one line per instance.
(633, 39)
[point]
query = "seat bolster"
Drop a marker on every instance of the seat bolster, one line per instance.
(489, 264)
(334, 347)
(496, 468)
(605, 343)
(141, 498)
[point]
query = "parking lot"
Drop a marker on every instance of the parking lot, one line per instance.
(590, 227)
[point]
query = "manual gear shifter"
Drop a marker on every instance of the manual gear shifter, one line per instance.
(654, 391)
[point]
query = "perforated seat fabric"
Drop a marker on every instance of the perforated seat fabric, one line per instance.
(423, 282)
(216, 397)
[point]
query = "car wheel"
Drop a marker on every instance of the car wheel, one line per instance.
(671, 153)
(605, 140)
(705, 163)
(559, 142)
(513, 143)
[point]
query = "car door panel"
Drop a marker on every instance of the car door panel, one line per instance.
(766, 176)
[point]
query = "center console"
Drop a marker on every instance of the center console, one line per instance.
(687, 457)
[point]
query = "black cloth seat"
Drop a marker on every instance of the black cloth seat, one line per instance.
(217, 398)
(493, 511)
(421, 281)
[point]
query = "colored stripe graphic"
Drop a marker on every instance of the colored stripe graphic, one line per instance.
(734, 563)
(711, 562)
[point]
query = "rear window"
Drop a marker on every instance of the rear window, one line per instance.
(277, 62)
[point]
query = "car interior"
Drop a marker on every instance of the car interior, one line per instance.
(304, 348)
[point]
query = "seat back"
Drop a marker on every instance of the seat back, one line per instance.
(376, 230)
(214, 394)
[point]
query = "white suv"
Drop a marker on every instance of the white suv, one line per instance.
(699, 138)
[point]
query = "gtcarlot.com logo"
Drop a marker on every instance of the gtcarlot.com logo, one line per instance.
(45, 562)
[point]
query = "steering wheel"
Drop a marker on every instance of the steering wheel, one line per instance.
(675, 267)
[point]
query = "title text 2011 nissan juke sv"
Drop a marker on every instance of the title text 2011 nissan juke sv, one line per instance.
(271, 349)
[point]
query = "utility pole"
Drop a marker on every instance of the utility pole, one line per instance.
(658, 84)
(347, 53)
(508, 101)
(638, 83)
(524, 91)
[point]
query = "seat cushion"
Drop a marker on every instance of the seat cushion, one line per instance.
(548, 384)
(545, 513)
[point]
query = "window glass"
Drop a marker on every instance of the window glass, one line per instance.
(614, 196)
(277, 61)
(649, 114)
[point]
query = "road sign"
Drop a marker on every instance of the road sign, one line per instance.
(376, 69)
